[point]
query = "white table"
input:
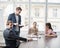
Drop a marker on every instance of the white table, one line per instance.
(43, 43)
(40, 43)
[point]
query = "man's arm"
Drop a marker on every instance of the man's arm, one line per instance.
(22, 39)
(20, 20)
(15, 37)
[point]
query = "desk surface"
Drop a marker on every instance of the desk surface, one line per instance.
(40, 43)
(43, 43)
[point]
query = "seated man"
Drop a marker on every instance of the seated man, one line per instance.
(33, 30)
(49, 31)
(11, 37)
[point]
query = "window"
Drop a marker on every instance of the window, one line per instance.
(53, 16)
(38, 15)
(3, 0)
(54, 1)
(22, 0)
(54, 12)
(38, 1)
(1, 20)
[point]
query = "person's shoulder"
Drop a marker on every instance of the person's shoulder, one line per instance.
(12, 14)
(50, 30)
(31, 27)
(6, 29)
(37, 28)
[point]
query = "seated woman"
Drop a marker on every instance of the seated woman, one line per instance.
(49, 30)
(33, 30)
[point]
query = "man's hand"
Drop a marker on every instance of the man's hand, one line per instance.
(30, 40)
(15, 24)
(21, 26)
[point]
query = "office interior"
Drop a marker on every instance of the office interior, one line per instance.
(40, 11)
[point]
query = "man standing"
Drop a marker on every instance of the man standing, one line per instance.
(16, 19)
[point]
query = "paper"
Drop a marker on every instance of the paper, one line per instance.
(35, 38)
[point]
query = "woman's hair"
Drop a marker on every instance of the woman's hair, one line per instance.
(9, 21)
(49, 25)
(34, 22)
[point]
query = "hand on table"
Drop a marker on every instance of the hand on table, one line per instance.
(30, 40)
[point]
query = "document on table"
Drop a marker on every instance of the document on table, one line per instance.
(35, 38)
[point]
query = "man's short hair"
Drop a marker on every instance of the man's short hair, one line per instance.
(18, 8)
(9, 21)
